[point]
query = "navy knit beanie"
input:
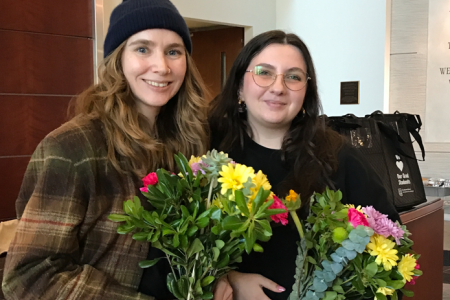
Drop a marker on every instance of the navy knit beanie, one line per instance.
(133, 16)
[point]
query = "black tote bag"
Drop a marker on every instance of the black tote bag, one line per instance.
(385, 141)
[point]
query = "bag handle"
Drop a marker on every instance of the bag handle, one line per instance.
(413, 125)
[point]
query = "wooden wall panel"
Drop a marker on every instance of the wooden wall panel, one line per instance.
(46, 58)
(45, 64)
(207, 48)
(73, 18)
(11, 175)
(26, 120)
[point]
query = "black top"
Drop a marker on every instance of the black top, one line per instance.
(358, 183)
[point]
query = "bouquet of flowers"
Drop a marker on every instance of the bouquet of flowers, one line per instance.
(204, 218)
(350, 253)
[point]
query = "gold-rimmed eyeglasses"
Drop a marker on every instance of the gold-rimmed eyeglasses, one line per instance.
(294, 80)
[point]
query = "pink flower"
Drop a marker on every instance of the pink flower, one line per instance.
(150, 179)
(356, 218)
(413, 279)
(283, 217)
(382, 225)
(198, 167)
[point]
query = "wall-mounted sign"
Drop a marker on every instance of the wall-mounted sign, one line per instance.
(350, 92)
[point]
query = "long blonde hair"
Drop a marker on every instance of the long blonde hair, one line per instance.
(133, 145)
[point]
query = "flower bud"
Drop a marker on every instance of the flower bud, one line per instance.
(339, 235)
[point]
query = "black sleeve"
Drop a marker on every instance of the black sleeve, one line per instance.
(360, 185)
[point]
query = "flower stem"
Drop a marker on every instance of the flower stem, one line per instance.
(297, 223)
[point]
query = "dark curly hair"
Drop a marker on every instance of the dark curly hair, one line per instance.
(310, 146)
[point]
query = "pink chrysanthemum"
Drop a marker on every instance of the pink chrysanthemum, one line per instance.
(198, 166)
(382, 225)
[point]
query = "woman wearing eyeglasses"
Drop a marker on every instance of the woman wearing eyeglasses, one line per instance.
(267, 117)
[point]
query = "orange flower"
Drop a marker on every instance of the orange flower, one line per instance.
(292, 196)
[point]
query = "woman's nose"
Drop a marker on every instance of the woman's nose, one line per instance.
(159, 64)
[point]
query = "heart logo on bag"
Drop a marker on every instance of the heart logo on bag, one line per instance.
(399, 165)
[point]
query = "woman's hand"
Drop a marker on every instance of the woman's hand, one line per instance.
(250, 286)
(223, 290)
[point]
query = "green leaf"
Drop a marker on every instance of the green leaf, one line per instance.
(223, 262)
(407, 293)
(204, 214)
(148, 263)
(258, 248)
(371, 269)
(118, 218)
(240, 202)
(216, 214)
(381, 282)
(380, 296)
(140, 236)
(311, 260)
(395, 284)
(167, 231)
(125, 228)
(338, 288)
(183, 286)
(216, 253)
(271, 212)
(250, 239)
(185, 211)
(220, 244)
(195, 247)
(183, 241)
(231, 223)
(263, 208)
(265, 225)
(207, 295)
(176, 240)
(192, 230)
(394, 296)
(203, 222)
(207, 281)
(261, 196)
(330, 295)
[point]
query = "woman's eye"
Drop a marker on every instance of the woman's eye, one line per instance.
(263, 73)
(174, 52)
(141, 50)
(294, 77)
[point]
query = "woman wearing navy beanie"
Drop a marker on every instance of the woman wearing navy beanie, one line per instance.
(148, 105)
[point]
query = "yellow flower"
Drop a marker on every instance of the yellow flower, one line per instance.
(216, 202)
(383, 249)
(234, 177)
(194, 159)
(385, 291)
(353, 206)
(292, 196)
(260, 180)
(406, 267)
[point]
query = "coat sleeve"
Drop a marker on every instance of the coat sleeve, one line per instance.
(360, 185)
(43, 261)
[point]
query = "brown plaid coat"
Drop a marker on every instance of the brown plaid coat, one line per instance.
(65, 247)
